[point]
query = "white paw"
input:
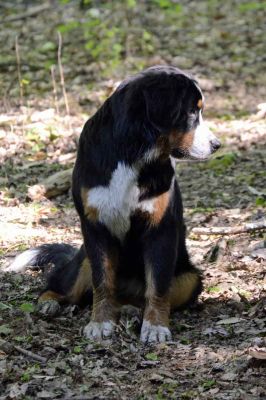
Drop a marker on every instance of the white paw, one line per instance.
(49, 308)
(154, 333)
(99, 331)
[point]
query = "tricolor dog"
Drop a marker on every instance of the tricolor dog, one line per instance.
(130, 207)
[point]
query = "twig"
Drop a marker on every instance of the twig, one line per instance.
(52, 186)
(19, 72)
(228, 230)
(30, 13)
(61, 71)
(54, 89)
(31, 354)
(8, 348)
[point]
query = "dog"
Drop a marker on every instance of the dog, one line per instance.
(130, 207)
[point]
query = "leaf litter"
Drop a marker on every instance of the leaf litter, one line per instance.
(218, 347)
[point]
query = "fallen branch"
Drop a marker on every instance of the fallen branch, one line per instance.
(53, 186)
(19, 71)
(228, 230)
(30, 354)
(30, 13)
(9, 348)
(61, 72)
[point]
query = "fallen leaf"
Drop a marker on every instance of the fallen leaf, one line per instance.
(258, 353)
(230, 376)
(156, 378)
(228, 321)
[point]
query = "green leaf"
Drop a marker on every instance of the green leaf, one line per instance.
(77, 349)
(4, 306)
(20, 338)
(131, 3)
(117, 48)
(64, 1)
(5, 330)
(261, 201)
(223, 162)
(151, 356)
(48, 46)
(208, 384)
(184, 340)
(213, 289)
(25, 377)
(252, 6)
(27, 307)
(24, 82)
(68, 27)
(146, 35)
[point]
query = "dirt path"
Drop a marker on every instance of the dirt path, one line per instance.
(218, 346)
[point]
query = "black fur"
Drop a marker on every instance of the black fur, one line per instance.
(144, 109)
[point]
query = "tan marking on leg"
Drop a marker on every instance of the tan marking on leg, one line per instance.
(51, 295)
(91, 213)
(105, 304)
(157, 308)
(182, 288)
(155, 324)
(160, 206)
(109, 263)
(82, 283)
(104, 308)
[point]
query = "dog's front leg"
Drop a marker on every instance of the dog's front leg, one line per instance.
(160, 257)
(103, 256)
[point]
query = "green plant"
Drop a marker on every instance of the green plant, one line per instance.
(27, 307)
(221, 163)
(208, 384)
(151, 356)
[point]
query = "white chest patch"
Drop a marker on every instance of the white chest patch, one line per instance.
(117, 201)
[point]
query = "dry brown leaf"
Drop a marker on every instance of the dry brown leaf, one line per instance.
(258, 353)
(228, 321)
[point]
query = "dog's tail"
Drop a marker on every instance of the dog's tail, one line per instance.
(57, 254)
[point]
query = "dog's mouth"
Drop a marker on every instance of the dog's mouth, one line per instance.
(199, 153)
(185, 155)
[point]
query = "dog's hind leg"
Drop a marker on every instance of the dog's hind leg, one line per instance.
(49, 303)
(185, 288)
(68, 284)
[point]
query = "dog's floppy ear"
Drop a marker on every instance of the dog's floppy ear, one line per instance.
(163, 101)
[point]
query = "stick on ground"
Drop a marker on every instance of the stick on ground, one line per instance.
(52, 186)
(230, 230)
(30, 354)
(30, 13)
(61, 71)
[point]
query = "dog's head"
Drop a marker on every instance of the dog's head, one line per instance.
(170, 105)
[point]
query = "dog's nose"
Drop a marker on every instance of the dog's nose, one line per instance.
(215, 145)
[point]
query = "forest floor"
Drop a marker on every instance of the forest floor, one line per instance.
(218, 348)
